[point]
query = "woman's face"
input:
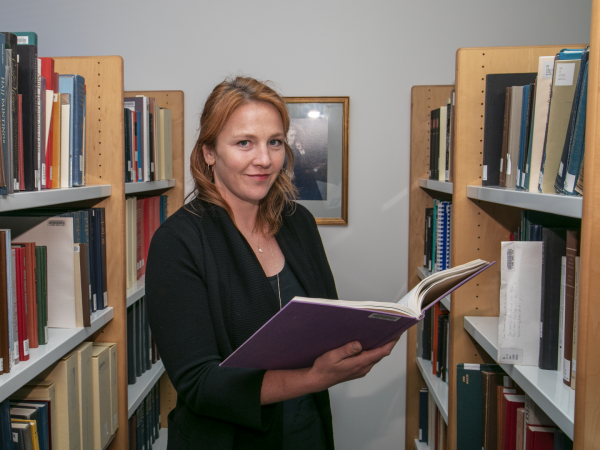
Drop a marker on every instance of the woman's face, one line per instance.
(249, 153)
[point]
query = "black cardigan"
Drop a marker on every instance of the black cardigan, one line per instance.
(206, 293)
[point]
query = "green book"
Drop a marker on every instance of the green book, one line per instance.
(26, 37)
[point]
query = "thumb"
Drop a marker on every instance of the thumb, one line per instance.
(352, 348)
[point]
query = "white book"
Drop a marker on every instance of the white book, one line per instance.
(534, 415)
(520, 303)
(542, 102)
(146, 139)
(56, 233)
(442, 145)
(514, 137)
(65, 139)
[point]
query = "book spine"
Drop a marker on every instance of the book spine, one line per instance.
(4, 311)
(561, 319)
(572, 252)
(103, 256)
(575, 324)
(28, 89)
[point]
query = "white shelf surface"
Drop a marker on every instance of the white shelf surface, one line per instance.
(423, 273)
(436, 387)
(148, 186)
(50, 197)
(138, 391)
(60, 342)
(418, 445)
(564, 205)
(161, 442)
(545, 387)
(137, 291)
(434, 185)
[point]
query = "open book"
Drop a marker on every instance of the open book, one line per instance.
(308, 327)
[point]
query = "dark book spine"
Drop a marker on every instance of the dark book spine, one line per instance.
(147, 355)
(151, 146)
(4, 338)
(103, 257)
(131, 378)
(528, 122)
(85, 285)
(28, 89)
(78, 133)
(137, 340)
(11, 40)
(126, 130)
(431, 141)
(572, 251)
(553, 250)
(423, 414)
(427, 335)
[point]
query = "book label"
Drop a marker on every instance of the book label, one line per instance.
(567, 370)
(22, 40)
(510, 355)
(501, 164)
(15, 437)
(1, 364)
(510, 257)
(484, 174)
(508, 165)
(548, 70)
(565, 73)
(105, 299)
(471, 367)
(26, 347)
(569, 182)
(560, 169)
(43, 173)
(375, 316)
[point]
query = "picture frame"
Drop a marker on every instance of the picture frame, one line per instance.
(318, 136)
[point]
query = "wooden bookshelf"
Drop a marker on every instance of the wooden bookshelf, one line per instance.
(423, 100)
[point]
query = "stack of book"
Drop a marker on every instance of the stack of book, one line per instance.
(73, 404)
(534, 126)
(141, 349)
(43, 120)
(144, 424)
(441, 142)
(539, 294)
(143, 216)
(438, 226)
(433, 335)
(433, 430)
(493, 413)
(148, 140)
(53, 274)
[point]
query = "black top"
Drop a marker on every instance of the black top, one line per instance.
(302, 426)
(206, 293)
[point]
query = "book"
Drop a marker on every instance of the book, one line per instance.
(47, 70)
(65, 141)
(520, 428)
(540, 438)
(32, 417)
(495, 95)
(101, 401)
(41, 127)
(22, 436)
(572, 251)
(433, 142)
(276, 345)
(534, 415)
(510, 404)
(575, 324)
(561, 101)
(42, 419)
(74, 85)
(6, 437)
(499, 426)
(12, 88)
(523, 135)
(29, 267)
(5, 294)
(21, 305)
(27, 85)
(443, 125)
(423, 414)
(42, 391)
(561, 316)
(504, 151)
(561, 440)
(490, 382)
(514, 135)
(520, 303)
(84, 284)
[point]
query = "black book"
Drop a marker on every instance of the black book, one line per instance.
(423, 414)
(11, 41)
(142, 333)
(561, 440)
(141, 429)
(21, 435)
(528, 122)
(555, 247)
(431, 141)
(150, 411)
(131, 378)
(127, 130)
(6, 441)
(156, 408)
(92, 257)
(28, 79)
(104, 280)
(495, 96)
(151, 147)
(96, 257)
(158, 404)
(429, 239)
(137, 340)
(147, 340)
(440, 346)
(443, 348)
(427, 335)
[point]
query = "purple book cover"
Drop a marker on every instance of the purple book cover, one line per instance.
(302, 331)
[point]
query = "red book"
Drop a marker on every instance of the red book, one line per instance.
(21, 303)
(21, 160)
(540, 438)
(31, 292)
(140, 236)
(437, 311)
(156, 213)
(510, 404)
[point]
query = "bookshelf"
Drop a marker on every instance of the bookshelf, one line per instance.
(444, 187)
(138, 391)
(437, 388)
(37, 199)
(420, 445)
(148, 187)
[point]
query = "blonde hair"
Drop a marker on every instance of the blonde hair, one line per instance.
(224, 99)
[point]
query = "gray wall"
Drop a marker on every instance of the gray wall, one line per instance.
(371, 51)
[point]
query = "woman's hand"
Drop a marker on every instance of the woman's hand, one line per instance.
(346, 363)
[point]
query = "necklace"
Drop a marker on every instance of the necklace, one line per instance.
(273, 260)
(259, 249)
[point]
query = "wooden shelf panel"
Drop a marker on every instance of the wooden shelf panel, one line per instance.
(545, 387)
(433, 185)
(60, 342)
(436, 387)
(148, 186)
(138, 391)
(424, 273)
(137, 291)
(564, 205)
(50, 197)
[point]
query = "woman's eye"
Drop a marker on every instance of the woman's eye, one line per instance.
(275, 142)
(244, 143)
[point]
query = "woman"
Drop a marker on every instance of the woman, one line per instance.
(222, 266)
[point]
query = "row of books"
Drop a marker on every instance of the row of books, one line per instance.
(148, 140)
(144, 424)
(534, 126)
(143, 216)
(73, 404)
(52, 274)
(141, 349)
(539, 294)
(43, 119)
(433, 340)
(432, 428)
(438, 227)
(441, 142)
(493, 413)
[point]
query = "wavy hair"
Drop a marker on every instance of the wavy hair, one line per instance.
(220, 104)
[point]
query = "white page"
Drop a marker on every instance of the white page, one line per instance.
(520, 303)
(56, 233)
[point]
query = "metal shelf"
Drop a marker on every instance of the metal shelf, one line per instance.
(545, 387)
(138, 391)
(423, 273)
(137, 291)
(437, 388)
(433, 185)
(50, 197)
(418, 445)
(60, 342)
(148, 186)
(161, 442)
(563, 205)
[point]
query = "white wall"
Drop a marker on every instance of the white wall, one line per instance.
(371, 51)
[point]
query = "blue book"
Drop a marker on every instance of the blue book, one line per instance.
(6, 442)
(569, 54)
(74, 85)
(42, 423)
(26, 38)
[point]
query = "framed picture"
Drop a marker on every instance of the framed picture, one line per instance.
(319, 137)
